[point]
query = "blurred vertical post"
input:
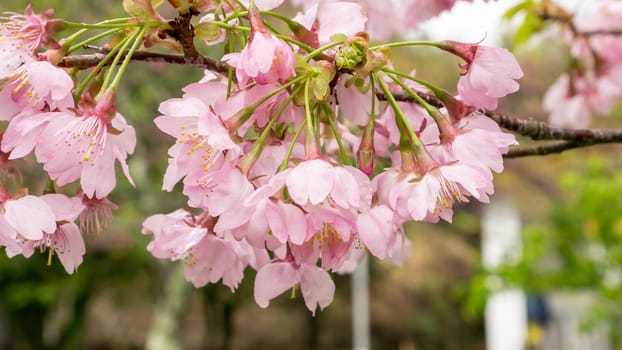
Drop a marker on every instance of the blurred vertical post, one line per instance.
(506, 314)
(168, 311)
(360, 306)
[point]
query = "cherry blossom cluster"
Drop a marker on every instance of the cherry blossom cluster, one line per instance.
(296, 164)
(593, 81)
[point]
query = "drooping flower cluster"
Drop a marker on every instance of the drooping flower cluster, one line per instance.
(592, 83)
(293, 165)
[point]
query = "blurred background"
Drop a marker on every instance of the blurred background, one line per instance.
(545, 256)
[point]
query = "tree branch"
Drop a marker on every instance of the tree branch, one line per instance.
(91, 60)
(536, 130)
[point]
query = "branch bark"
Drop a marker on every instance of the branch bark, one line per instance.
(536, 130)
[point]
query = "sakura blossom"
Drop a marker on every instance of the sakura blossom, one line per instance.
(85, 146)
(490, 73)
(299, 151)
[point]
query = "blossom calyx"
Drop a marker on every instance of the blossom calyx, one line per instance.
(352, 54)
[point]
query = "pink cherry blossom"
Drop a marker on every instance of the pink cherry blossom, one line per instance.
(478, 141)
(66, 241)
(38, 83)
(315, 283)
(84, 146)
(330, 19)
(490, 73)
(266, 58)
(29, 217)
(24, 131)
(21, 35)
(208, 258)
(314, 181)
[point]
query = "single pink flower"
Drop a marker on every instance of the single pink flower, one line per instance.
(22, 34)
(315, 283)
(478, 141)
(490, 73)
(266, 58)
(314, 181)
(36, 84)
(85, 145)
(96, 214)
(324, 19)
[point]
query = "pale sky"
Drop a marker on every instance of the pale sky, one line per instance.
(472, 22)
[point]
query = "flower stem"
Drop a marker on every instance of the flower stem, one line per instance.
(92, 39)
(319, 50)
(123, 46)
(416, 142)
(83, 85)
(333, 128)
(290, 149)
(137, 41)
(253, 154)
(408, 43)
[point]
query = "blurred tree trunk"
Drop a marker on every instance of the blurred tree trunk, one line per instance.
(168, 312)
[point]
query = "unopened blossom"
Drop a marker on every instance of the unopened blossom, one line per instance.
(266, 58)
(490, 73)
(315, 283)
(85, 146)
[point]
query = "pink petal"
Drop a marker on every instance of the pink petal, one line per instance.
(30, 216)
(274, 279)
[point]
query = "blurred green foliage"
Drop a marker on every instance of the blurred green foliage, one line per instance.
(578, 247)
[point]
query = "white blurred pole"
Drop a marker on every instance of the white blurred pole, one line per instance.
(506, 312)
(360, 306)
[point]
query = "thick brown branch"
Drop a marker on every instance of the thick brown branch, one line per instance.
(542, 149)
(92, 60)
(538, 130)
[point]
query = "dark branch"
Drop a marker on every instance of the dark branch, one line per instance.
(536, 130)
(88, 61)
(542, 149)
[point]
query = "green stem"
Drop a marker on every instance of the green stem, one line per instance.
(317, 51)
(102, 26)
(408, 43)
(80, 89)
(416, 142)
(331, 123)
(290, 149)
(68, 40)
(113, 65)
(92, 39)
(245, 113)
(428, 107)
(138, 39)
(285, 19)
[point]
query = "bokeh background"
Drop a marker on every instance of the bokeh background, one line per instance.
(122, 298)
